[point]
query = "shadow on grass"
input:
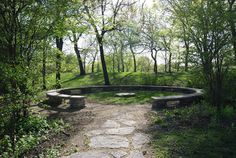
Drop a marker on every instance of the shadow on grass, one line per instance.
(183, 133)
(72, 79)
(196, 143)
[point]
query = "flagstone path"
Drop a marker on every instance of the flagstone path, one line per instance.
(116, 132)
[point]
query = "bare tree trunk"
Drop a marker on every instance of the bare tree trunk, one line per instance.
(59, 43)
(234, 38)
(122, 62)
(93, 64)
(118, 64)
(134, 59)
(98, 67)
(94, 59)
(103, 61)
(92, 69)
(122, 59)
(186, 56)
(169, 62)
(77, 52)
(165, 61)
(232, 25)
(44, 70)
(113, 63)
(84, 62)
(155, 67)
(154, 56)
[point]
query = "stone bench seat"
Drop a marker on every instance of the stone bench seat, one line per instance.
(55, 99)
(173, 101)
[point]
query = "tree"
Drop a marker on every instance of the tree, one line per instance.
(167, 39)
(182, 34)
(24, 25)
(76, 27)
(132, 42)
(231, 19)
(60, 13)
(103, 23)
(210, 33)
(151, 34)
(74, 40)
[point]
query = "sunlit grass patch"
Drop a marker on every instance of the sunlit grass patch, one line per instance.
(141, 97)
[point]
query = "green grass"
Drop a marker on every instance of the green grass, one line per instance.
(141, 97)
(190, 79)
(193, 132)
(191, 143)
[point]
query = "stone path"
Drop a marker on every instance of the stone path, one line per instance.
(117, 132)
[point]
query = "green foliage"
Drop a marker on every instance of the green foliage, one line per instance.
(31, 131)
(229, 88)
(52, 152)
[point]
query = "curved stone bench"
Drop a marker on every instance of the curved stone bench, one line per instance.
(55, 98)
(75, 95)
(177, 100)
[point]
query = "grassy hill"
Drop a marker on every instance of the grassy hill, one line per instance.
(128, 78)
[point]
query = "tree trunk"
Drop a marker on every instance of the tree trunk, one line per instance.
(118, 64)
(59, 43)
(155, 67)
(77, 52)
(155, 61)
(84, 62)
(113, 63)
(232, 26)
(98, 67)
(134, 59)
(122, 59)
(165, 61)
(234, 38)
(103, 61)
(44, 70)
(169, 62)
(122, 62)
(186, 56)
(93, 63)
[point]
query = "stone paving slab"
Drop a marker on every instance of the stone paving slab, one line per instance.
(110, 124)
(109, 141)
(90, 154)
(120, 131)
(95, 133)
(136, 154)
(139, 139)
(127, 122)
(111, 131)
(118, 154)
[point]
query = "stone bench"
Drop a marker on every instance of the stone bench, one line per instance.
(55, 99)
(75, 95)
(174, 101)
